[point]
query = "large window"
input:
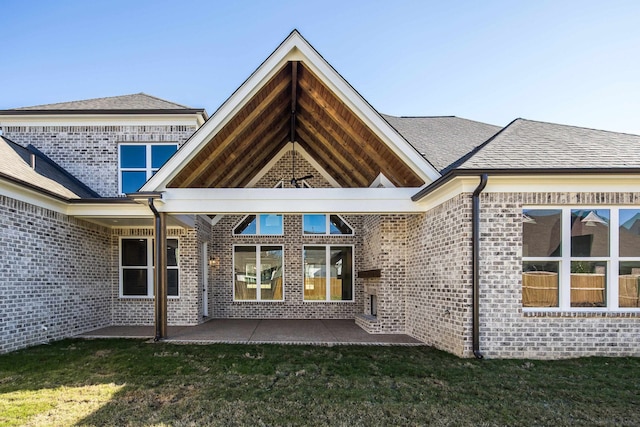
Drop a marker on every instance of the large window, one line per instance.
(315, 224)
(138, 162)
(257, 271)
(328, 273)
(137, 263)
(581, 258)
(260, 225)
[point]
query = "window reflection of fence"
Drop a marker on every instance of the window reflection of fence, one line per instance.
(540, 289)
(315, 288)
(629, 295)
(587, 290)
(270, 290)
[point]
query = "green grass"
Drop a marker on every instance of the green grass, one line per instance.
(130, 382)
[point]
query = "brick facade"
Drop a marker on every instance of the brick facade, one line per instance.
(384, 248)
(55, 275)
(186, 309)
(293, 307)
(281, 171)
(439, 280)
(508, 331)
(90, 153)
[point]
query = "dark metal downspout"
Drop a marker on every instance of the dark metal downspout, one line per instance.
(475, 226)
(160, 272)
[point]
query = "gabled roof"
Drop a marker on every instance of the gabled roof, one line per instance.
(295, 94)
(16, 165)
(442, 140)
(528, 144)
(125, 104)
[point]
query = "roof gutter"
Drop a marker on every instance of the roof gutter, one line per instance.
(455, 173)
(475, 265)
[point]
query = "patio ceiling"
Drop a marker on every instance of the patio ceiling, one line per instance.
(294, 102)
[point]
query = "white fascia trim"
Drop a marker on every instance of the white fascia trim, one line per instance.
(381, 181)
(97, 210)
(27, 195)
(564, 183)
(102, 120)
(294, 48)
(368, 114)
(305, 155)
(533, 184)
(86, 210)
(224, 201)
(220, 118)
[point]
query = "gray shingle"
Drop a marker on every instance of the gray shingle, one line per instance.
(137, 101)
(442, 140)
(15, 162)
(527, 144)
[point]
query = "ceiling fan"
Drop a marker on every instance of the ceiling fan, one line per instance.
(296, 181)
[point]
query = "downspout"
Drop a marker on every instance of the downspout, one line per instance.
(475, 267)
(160, 272)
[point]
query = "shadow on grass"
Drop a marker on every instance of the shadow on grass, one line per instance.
(303, 385)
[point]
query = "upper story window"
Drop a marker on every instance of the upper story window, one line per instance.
(316, 224)
(138, 162)
(581, 258)
(260, 225)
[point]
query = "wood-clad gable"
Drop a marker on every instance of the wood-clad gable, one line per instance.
(294, 105)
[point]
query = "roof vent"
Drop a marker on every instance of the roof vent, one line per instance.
(33, 161)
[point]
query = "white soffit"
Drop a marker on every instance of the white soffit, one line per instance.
(294, 48)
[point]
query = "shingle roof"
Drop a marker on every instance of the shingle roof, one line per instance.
(137, 101)
(527, 144)
(442, 140)
(15, 163)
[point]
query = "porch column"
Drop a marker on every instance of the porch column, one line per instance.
(160, 276)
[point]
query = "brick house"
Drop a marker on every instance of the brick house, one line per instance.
(296, 199)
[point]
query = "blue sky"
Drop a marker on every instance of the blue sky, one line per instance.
(572, 62)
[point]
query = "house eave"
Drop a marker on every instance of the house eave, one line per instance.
(288, 200)
(530, 172)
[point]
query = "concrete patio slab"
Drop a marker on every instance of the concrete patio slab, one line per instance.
(261, 331)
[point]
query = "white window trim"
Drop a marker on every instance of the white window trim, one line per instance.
(258, 231)
(147, 169)
(150, 267)
(328, 277)
(258, 278)
(327, 226)
(565, 259)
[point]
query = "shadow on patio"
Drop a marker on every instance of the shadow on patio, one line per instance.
(262, 331)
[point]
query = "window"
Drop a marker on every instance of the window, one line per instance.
(257, 272)
(260, 225)
(581, 258)
(136, 267)
(315, 224)
(328, 273)
(138, 162)
(629, 253)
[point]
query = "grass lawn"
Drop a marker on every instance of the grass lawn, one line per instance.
(131, 382)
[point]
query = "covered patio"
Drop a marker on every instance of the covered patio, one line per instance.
(261, 331)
